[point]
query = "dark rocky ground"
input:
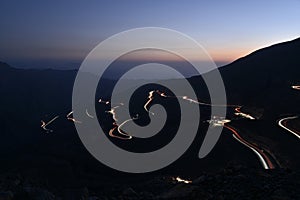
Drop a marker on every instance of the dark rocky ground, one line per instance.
(233, 182)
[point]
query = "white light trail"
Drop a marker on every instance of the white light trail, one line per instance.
(128, 137)
(89, 115)
(123, 123)
(180, 180)
(282, 125)
(296, 87)
(262, 160)
(240, 113)
(44, 124)
(150, 98)
(71, 118)
(217, 121)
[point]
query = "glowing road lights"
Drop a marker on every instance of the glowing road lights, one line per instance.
(296, 87)
(71, 118)
(263, 162)
(282, 124)
(162, 94)
(217, 121)
(150, 98)
(113, 113)
(126, 121)
(186, 98)
(88, 114)
(239, 113)
(180, 180)
(44, 124)
(264, 159)
(123, 135)
(117, 132)
(117, 126)
(105, 102)
(245, 115)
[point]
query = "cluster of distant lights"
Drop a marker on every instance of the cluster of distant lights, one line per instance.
(221, 121)
(218, 121)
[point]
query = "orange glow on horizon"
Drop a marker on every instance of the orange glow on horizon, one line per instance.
(219, 56)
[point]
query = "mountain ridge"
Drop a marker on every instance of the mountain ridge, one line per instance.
(254, 53)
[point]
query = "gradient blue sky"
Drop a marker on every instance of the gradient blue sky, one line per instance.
(60, 34)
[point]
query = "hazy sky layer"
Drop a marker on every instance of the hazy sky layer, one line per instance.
(60, 34)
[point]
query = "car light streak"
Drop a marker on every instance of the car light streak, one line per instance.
(282, 124)
(217, 121)
(111, 133)
(123, 123)
(71, 118)
(44, 124)
(240, 113)
(150, 98)
(265, 161)
(88, 114)
(296, 87)
(180, 180)
(186, 98)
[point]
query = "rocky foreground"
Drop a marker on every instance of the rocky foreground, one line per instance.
(234, 182)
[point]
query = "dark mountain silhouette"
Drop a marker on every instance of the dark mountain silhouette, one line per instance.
(260, 83)
(264, 71)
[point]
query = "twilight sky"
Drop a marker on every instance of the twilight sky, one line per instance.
(60, 34)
